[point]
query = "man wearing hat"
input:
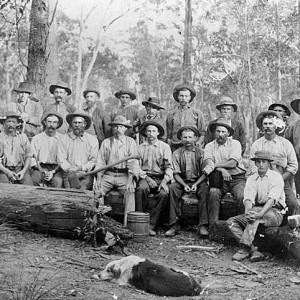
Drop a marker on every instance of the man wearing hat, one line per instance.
(60, 93)
(282, 151)
(15, 152)
(263, 200)
(29, 109)
(77, 152)
(120, 177)
(127, 111)
(155, 174)
(184, 115)
(227, 108)
(224, 166)
(93, 107)
(188, 164)
(44, 145)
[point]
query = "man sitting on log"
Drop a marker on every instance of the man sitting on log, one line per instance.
(264, 200)
(223, 164)
(44, 145)
(77, 152)
(15, 152)
(187, 163)
(155, 174)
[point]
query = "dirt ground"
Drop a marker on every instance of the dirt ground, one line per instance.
(32, 264)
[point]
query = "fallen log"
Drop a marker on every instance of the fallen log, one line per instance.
(56, 212)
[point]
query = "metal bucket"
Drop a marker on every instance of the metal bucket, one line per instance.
(138, 223)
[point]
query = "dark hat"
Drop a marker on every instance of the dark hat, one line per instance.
(24, 87)
(225, 100)
(265, 113)
(11, 114)
(181, 87)
(262, 155)
(80, 113)
(153, 123)
(122, 92)
(287, 110)
(60, 85)
(52, 113)
(154, 102)
(120, 120)
(190, 128)
(295, 105)
(221, 122)
(91, 90)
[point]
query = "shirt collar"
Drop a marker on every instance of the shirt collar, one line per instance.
(155, 144)
(192, 150)
(74, 137)
(266, 175)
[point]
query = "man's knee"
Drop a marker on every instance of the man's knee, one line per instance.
(215, 193)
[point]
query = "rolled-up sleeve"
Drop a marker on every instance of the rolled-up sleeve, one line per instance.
(250, 191)
(208, 159)
(176, 166)
(168, 163)
(62, 154)
(93, 146)
(236, 151)
(292, 163)
(276, 187)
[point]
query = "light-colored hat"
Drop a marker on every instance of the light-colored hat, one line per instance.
(221, 122)
(153, 123)
(192, 128)
(24, 87)
(225, 100)
(262, 155)
(11, 114)
(80, 113)
(60, 85)
(52, 113)
(154, 102)
(120, 120)
(181, 87)
(122, 92)
(265, 113)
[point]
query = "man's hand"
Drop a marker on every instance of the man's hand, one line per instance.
(130, 186)
(194, 188)
(163, 185)
(20, 175)
(152, 183)
(74, 169)
(251, 216)
(187, 188)
(225, 174)
(11, 175)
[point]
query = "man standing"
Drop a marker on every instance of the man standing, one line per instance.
(227, 108)
(223, 164)
(60, 93)
(188, 164)
(77, 152)
(15, 152)
(29, 108)
(155, 174)
(184, 115)
(44, 145)
(264, 201)
(282, 151)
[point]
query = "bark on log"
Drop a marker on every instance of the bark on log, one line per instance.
(54, 211)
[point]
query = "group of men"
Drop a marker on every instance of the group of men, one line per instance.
(164, 159)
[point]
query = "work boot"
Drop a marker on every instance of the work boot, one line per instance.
(152, 232)
(172, 231)
(203, 231)
(242, 254)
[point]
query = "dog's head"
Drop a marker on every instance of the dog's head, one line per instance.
(111, 271)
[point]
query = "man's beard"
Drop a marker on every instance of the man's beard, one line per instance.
(78, 131)
(221, 140)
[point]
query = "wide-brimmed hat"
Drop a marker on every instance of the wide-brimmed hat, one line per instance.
(295, 105)
(154, 102)
(221, 122)
(11, 114)
(91, 90)
(265, 113)
(24, 87)
(190, 128)
(262, 155)
(225, 100)
(122, 92)
(181, 87)
(52, 113)
(60, 85)
(80, 113)
(120, 120)
(287, 110)
(153, 123)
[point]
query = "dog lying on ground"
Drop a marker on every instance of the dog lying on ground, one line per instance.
(150, 277)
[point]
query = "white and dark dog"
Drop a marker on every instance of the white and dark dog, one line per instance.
(150, 277)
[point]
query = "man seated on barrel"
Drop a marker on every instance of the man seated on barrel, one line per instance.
(187, 163)
(155, 174)
(264, 201)
(77, 152)
(15, 152)
(45, 168)
(223, 165)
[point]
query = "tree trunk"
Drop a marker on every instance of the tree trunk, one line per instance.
(278, 64)
(187, 51)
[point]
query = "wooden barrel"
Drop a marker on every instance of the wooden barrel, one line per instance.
(138, 223)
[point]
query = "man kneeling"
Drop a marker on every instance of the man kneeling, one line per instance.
(264, 201)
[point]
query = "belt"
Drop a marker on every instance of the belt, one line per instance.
(155, 176)
(14, 168)
(116, 170)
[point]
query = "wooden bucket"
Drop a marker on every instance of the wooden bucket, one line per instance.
(138, 223)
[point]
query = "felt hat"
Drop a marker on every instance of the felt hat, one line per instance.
(154, 102)
(221, 122)
(262, 155)
(11, 114)
(52, 113)
(182, 86)
(225, 100)
(295, 105)
(60, 85)
(287, 110)
(265, 113)
(91, 90)
(24, 87)
(80, 113)
(120, 120)
(122, 92)
(192, 128)
(153, 123)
